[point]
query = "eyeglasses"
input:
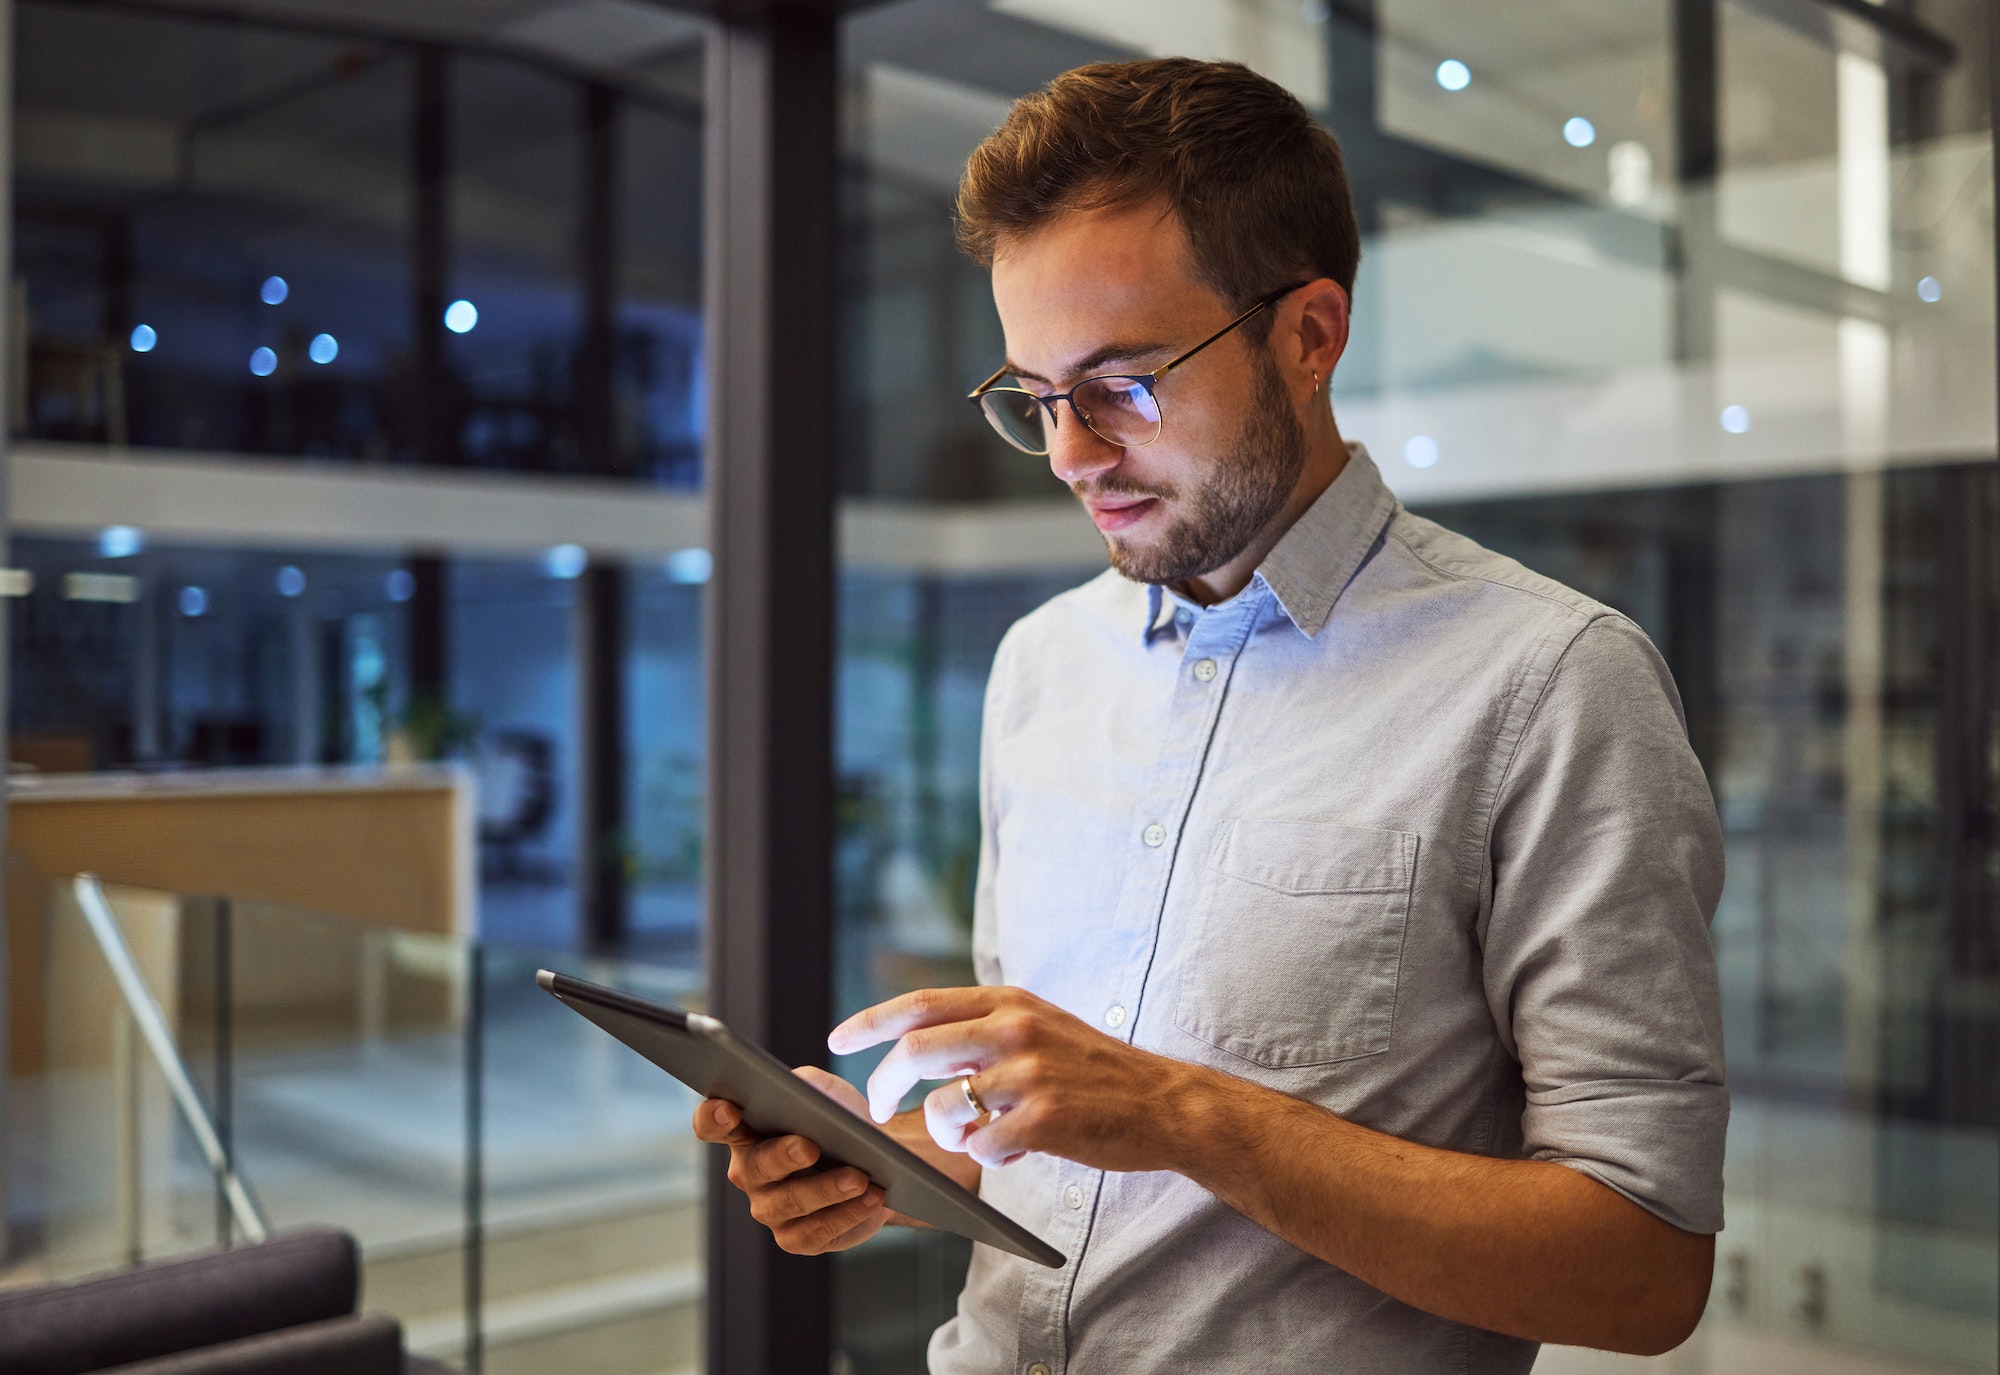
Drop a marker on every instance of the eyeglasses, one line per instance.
(1118, 408)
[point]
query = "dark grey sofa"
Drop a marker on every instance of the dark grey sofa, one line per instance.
(283, 1307)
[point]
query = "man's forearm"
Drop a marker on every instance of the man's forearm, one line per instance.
(1526, 1247)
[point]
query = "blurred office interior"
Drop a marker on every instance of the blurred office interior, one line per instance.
(365, 365)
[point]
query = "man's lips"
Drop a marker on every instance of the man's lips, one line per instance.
(1112, 514)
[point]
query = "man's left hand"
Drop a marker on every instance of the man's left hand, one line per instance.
(1049, 1081)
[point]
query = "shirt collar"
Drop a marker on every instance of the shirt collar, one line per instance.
(1315, 559)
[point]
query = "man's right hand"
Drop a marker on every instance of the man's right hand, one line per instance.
(809, 1211)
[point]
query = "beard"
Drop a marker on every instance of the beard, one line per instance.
(1242, 494)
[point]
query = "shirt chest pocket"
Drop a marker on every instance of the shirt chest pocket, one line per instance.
(1298, 942)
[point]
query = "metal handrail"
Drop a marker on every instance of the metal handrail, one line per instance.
(152, 1026)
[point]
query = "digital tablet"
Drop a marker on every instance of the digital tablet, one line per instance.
(701, 1053)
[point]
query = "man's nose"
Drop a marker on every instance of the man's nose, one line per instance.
(1077, 452)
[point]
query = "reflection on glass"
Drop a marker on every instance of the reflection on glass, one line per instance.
(410, 1087)
(170, 191)
(1697, 320)
(126, 656)
(239, 237)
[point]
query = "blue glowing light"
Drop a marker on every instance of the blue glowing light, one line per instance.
(324, 348)
(1579, 132)
(565, 561)
(263, 362)
(291, 581)
(1735, 419)
(461, 316)
(690, 566)
(1931, 290)
(1453, 75)
(145, 336)
(1421, 451)
(120, 541)
(274, 291)
(401, 585)
(194, 601)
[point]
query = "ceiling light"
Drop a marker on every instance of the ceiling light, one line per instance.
(565, 561)
(120, 541)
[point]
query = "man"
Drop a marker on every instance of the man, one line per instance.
(1346, 996)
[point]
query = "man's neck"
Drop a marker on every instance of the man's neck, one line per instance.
(1326, 457)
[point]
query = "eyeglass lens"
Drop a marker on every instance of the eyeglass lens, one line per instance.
(1118, 410)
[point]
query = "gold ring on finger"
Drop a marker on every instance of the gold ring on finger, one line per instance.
(971, 1096)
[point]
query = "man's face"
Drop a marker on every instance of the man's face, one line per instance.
(1114, 291)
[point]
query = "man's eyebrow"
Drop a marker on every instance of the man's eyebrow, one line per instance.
(1089, 364)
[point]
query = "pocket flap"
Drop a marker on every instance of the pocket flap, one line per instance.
(1316, 857)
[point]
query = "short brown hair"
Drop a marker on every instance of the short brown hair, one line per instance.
(1258, 186)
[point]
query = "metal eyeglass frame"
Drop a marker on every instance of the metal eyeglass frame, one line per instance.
(1147, 380)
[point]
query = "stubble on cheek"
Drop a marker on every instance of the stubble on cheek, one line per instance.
(1242, 492)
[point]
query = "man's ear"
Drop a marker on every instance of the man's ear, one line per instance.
(1321, 336)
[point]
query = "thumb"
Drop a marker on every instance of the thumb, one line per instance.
(834, 1087)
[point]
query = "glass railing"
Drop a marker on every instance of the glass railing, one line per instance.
(514, 1177)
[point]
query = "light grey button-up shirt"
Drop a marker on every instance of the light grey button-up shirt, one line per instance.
(1402, 829)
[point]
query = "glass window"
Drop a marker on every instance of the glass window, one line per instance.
(1698, 321)
(514, 310)
(658, 379)
(189, 281)
(230, 235)
(241, 238)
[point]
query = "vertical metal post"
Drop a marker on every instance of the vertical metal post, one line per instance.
(1692, 609)
(225, 1065)
(149, 671)
(600, 592)
(1354, 113)
(372, 998)
(598, 237)
(475, 1156)
(1964, 1051)
(308, 681)
(430, 256)
(601, 833)
(9, 301)
(1698, 160)
(427, 634)
(770, 301)
(120, 278)
(126, 1109)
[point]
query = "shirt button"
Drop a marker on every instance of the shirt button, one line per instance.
(1204, 669)
(1184, 618)
(1114, 1016)
(1038, 1369)
(1155, 836)
(1073, 1197)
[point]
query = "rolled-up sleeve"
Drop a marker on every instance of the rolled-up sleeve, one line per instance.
(1606, 866)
